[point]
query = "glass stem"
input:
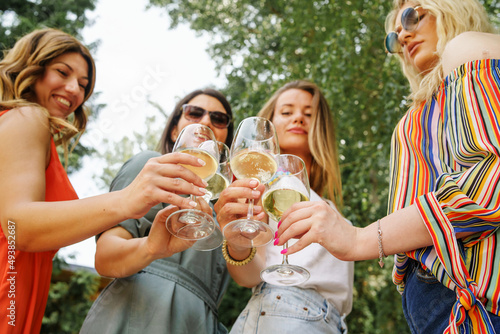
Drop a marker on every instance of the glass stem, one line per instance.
(250, 209)
(285, 256)
(193, 198)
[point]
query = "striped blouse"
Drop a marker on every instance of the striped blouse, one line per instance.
(445, 159)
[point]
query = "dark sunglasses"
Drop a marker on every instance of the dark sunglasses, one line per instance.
(409, 21)
(195, 114)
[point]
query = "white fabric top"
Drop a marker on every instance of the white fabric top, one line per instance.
(332, 278)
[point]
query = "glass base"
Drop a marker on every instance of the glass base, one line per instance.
(248, 233)
(190, 224)
(209, 243)
(284, 274)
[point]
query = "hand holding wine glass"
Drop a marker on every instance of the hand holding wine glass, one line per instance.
(197, 140)
(290, 185)
(252, 155)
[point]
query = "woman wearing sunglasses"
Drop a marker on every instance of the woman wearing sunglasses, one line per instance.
(161, 285)
(444, 198)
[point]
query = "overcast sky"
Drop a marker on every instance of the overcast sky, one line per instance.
(138, 58)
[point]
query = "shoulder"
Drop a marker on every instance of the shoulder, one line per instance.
(28, 121)
(470, 46)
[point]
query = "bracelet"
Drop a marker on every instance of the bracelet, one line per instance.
(381, 254)
(234, 262)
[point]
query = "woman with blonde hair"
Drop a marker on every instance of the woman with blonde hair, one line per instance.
(444, 198)
(44, 81)
(305, 128)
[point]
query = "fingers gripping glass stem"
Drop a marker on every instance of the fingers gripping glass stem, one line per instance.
(253, 155)
(197, 140)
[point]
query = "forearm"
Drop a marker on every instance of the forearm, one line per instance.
(402, 231)
(247, 275)
(117, 257)
(42, 226)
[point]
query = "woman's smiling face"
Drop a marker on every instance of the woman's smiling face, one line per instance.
(61, 88)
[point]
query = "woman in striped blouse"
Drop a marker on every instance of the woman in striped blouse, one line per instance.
(445, 167)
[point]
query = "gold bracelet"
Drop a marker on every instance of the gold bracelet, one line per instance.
(234, 262)
(381, 254)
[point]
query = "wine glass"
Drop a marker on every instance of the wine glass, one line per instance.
(197, 140)
(290, 185)
(252, 155)
(216, 185)
(222, 177)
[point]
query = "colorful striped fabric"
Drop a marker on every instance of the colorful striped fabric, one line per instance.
(446, 159)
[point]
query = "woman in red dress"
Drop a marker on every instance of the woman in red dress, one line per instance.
(44, 81)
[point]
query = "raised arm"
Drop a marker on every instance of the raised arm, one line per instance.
(118, 254)
(40, 225)
(317, 222)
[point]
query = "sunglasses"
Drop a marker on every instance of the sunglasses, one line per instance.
(409, 21)
(195, 114)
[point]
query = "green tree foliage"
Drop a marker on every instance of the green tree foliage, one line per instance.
(69, 301)
(19, 17)
(261, 44)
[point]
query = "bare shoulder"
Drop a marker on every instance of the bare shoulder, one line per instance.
(470, 46)
(25, 122)
(27, 115)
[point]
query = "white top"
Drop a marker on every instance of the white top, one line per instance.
(332, 278)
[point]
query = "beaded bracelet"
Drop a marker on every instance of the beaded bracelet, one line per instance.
(234, 262)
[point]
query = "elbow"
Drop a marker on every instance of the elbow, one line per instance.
(247, 285)
(245, 282)
(19, 237)
(24, 243)
(105, 270)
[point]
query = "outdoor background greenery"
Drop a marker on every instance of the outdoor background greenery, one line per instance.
(259, 45)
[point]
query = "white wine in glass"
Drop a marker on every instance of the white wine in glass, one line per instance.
(252, 155)
(290, 185)
(216, 185)
(197, 140)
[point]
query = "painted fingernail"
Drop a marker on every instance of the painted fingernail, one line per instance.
(201, 162)
(255, 194)
(205, 183)
(279, 223)
(276, 235)
(193, 204)
(254, 183)
(203, 190)
(284, 251)
(276, 242)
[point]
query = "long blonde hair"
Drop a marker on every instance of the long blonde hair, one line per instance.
(25, 63)
(452, 18)
(324, 177)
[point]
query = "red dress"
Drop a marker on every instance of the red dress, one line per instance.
(25, 276)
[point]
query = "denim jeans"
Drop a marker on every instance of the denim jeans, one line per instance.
(427, 304)
(276, 309)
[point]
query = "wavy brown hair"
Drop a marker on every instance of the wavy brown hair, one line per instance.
(325, 171)
(25, 63)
